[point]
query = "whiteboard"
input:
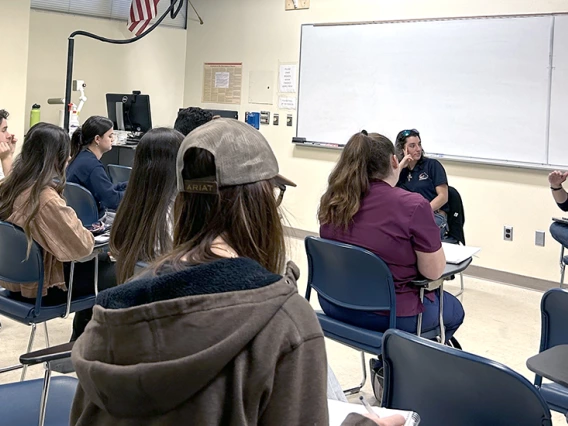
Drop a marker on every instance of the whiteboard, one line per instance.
(474, 88)
(558, 143)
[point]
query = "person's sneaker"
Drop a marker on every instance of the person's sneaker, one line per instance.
(377, 377)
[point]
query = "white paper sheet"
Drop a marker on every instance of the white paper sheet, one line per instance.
(338, 411)
(286, 102)
(222, 80)
(287, 80)
(457, 254)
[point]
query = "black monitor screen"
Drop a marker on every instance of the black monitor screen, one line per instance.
(135, 108)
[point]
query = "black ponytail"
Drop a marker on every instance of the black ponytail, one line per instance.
(76, 142)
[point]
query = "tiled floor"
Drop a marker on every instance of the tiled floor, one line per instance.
(502, 323)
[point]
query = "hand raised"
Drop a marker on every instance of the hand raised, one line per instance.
(557, 178)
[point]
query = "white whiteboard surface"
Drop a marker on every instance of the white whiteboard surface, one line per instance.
(558, 144)
(475, 88)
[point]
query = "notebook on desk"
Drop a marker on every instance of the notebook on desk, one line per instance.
(339, 410)
(456, 254)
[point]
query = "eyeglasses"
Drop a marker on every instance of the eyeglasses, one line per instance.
(280, 197)
(406, 133)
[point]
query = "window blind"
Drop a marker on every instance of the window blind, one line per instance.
(110, 9)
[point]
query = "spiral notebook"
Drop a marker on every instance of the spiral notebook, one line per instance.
(338, 411)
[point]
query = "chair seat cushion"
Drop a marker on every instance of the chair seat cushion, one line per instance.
(359, 338)
(23, 312)
(20, 401)
(556, 396)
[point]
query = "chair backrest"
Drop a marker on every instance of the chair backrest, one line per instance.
(456, 217)
(446, 386)
(349, 276)
(118, 173)
(13, 264)
(83, 202)
(554, 316)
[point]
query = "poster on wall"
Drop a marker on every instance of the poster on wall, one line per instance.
(222, 82)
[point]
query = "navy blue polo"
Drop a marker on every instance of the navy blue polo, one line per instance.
(424, 178)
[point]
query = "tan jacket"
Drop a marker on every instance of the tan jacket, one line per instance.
(58, 231)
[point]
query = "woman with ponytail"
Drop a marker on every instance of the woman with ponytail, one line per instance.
(362, 206)
(88, 144)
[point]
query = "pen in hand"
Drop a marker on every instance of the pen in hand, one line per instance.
(373, 414)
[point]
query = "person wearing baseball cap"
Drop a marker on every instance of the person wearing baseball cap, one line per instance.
(211, 334)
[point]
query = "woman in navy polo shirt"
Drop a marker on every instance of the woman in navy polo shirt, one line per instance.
(362, 206)
(423, 175)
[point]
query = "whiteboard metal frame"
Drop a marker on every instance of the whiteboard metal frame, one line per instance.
(471, 160)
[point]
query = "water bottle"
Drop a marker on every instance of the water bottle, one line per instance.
(34, 115)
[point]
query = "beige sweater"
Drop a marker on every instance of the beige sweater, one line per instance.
(59, 232)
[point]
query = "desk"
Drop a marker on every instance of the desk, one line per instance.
(449, 270)
(551, 364)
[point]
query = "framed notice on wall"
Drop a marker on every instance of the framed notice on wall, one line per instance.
(222, 82)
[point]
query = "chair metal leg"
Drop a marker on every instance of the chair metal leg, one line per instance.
(419, 323)
(47, 345)
(30, 345)
(96, 275)
(70, 290)
(44, 395)
(442, 327)
(459, 293)
(358, 388)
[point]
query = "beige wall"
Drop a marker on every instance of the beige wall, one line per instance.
(155, 65)
(261, 34)
(14, 33)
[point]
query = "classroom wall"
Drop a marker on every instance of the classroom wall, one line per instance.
(14, 34)
(154, 65)
(261, 34)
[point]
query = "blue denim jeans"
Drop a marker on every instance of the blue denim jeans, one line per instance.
(442, 222)
(453, 316)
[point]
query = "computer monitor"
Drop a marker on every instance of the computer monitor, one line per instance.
(129, 112)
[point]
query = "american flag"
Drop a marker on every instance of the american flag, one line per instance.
(141, 13)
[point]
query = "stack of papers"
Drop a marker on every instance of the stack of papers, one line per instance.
(457, 254)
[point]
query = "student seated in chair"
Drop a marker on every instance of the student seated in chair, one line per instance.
(31, 198)
(362, 206)
(143, 226)
(7, 145)
(213, 334)
(88, 144)
(423, 175)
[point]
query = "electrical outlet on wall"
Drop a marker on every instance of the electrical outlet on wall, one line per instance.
(297, 4)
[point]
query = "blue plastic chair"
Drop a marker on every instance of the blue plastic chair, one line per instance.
(15, 268)
(354, 278)
(446, 386)
(119, 174)
(83, 202)
(554, 332)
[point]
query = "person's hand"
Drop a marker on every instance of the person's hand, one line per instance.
(396, 420)
(557, 178)
(405, 161)
(5, 150)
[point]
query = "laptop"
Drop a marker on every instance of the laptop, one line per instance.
(562, 220)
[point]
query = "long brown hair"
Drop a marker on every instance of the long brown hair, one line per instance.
(245, 216)
(365, 158)
(142, 229)
(41, 164)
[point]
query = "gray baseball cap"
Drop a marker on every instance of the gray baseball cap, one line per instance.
(242, 155)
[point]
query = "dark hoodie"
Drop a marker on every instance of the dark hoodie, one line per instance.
(225, 343)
